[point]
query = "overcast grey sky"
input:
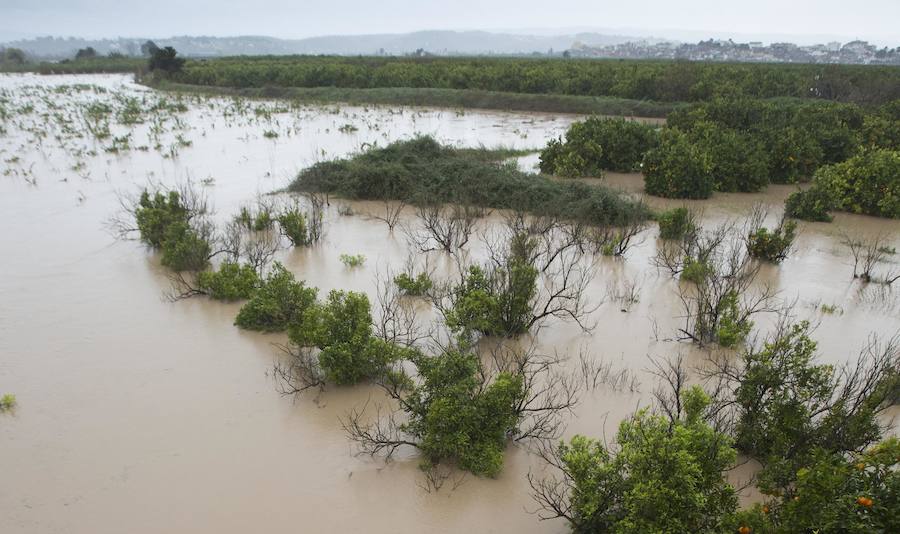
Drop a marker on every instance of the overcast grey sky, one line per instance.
(876, 20)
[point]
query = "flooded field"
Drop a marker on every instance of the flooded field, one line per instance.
(137, 414)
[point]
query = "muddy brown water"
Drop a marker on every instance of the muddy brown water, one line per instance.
(136, 414)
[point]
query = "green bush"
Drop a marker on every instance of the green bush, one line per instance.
(231, 282)
(787, 410)
(733, 327)
(598, 144)
(279, 302)
(695, 270)
(737, 160)
(183, 249)
(155, 213)
(667, 475)
(772, 245)
(414, 286)
(293, 225)
(494, 301)
(455, 416)
(422, 171)
(868, 183)
(342, 329)
(7, 402)
(676, 223)
(353, 260)
(810, 205)
(678, 168)
(794, 154)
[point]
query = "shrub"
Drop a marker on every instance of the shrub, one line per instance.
(421, 171)
(7, 402)
(840, 494)
(772, 245)
(667, 475)
(678, 168)
(455, 416)
(810, 205)
(676, 223)
(794, 155)
(166, 60)
(155, 213)
(183, 249)
(598, 144)
(231, 282)
(279, 302)
(293, 225)
(733, 327)
(695, 270)
(494, 301)
(353, 260)
(737, 160)
(868, 183)
(342, 329)
(788, 406)
(414, 286)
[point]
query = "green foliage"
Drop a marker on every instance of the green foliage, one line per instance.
(738, 162)
(155, 213)
(353, 260)
(293, 225)
(676, 223)
(678, 168)
(598, 144)
(166, 60)
(279, 302)
(837, 494)
(667, 475)
(414, 286)
(7, 402)
(454, 416)
(231, 282)
(695, 270)
(772, 245)
(733, 327)
(183, 249)
(786, 410)
(810, 205)
(868, 183)
(342, 329)
(496, 300)
(421, 170)
(662, 81)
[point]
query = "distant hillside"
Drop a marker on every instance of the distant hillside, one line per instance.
(434, 42)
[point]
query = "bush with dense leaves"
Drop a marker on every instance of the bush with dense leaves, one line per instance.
(183, 249)
(678, 168)
(495, 300)
(455, 416)
(154, 214)
(414, 285)
(232, 281)
(294, 225)
(868, 183)
(279, 302)
(667, 475)
(810, 205)
(341, 328)
(676, 223)
(598, 144)
(166, 59)
(772, 245)
(738, 161)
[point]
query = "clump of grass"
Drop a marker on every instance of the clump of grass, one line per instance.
(422, 171)
(270, 134)
(353, 260)
(7, 402)
(348, 128)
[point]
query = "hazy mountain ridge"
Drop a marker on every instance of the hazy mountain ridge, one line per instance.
(437, 42)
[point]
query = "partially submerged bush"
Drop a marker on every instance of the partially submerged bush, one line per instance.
(810, 205)
(678, 168)
(183, 249)
(353, 260)
(231, 282)
(7, 402)
(414, 286)
(279, 302)
(676, 223)
(341, 328)
(772, 245)
(421, 171)
(598, 144)
(494, 301)
(665, 476)
(167, 223)
(737, 160)
(868, 183)
(154, 214)
(293, 225)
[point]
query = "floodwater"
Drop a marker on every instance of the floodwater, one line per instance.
(136, 414)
